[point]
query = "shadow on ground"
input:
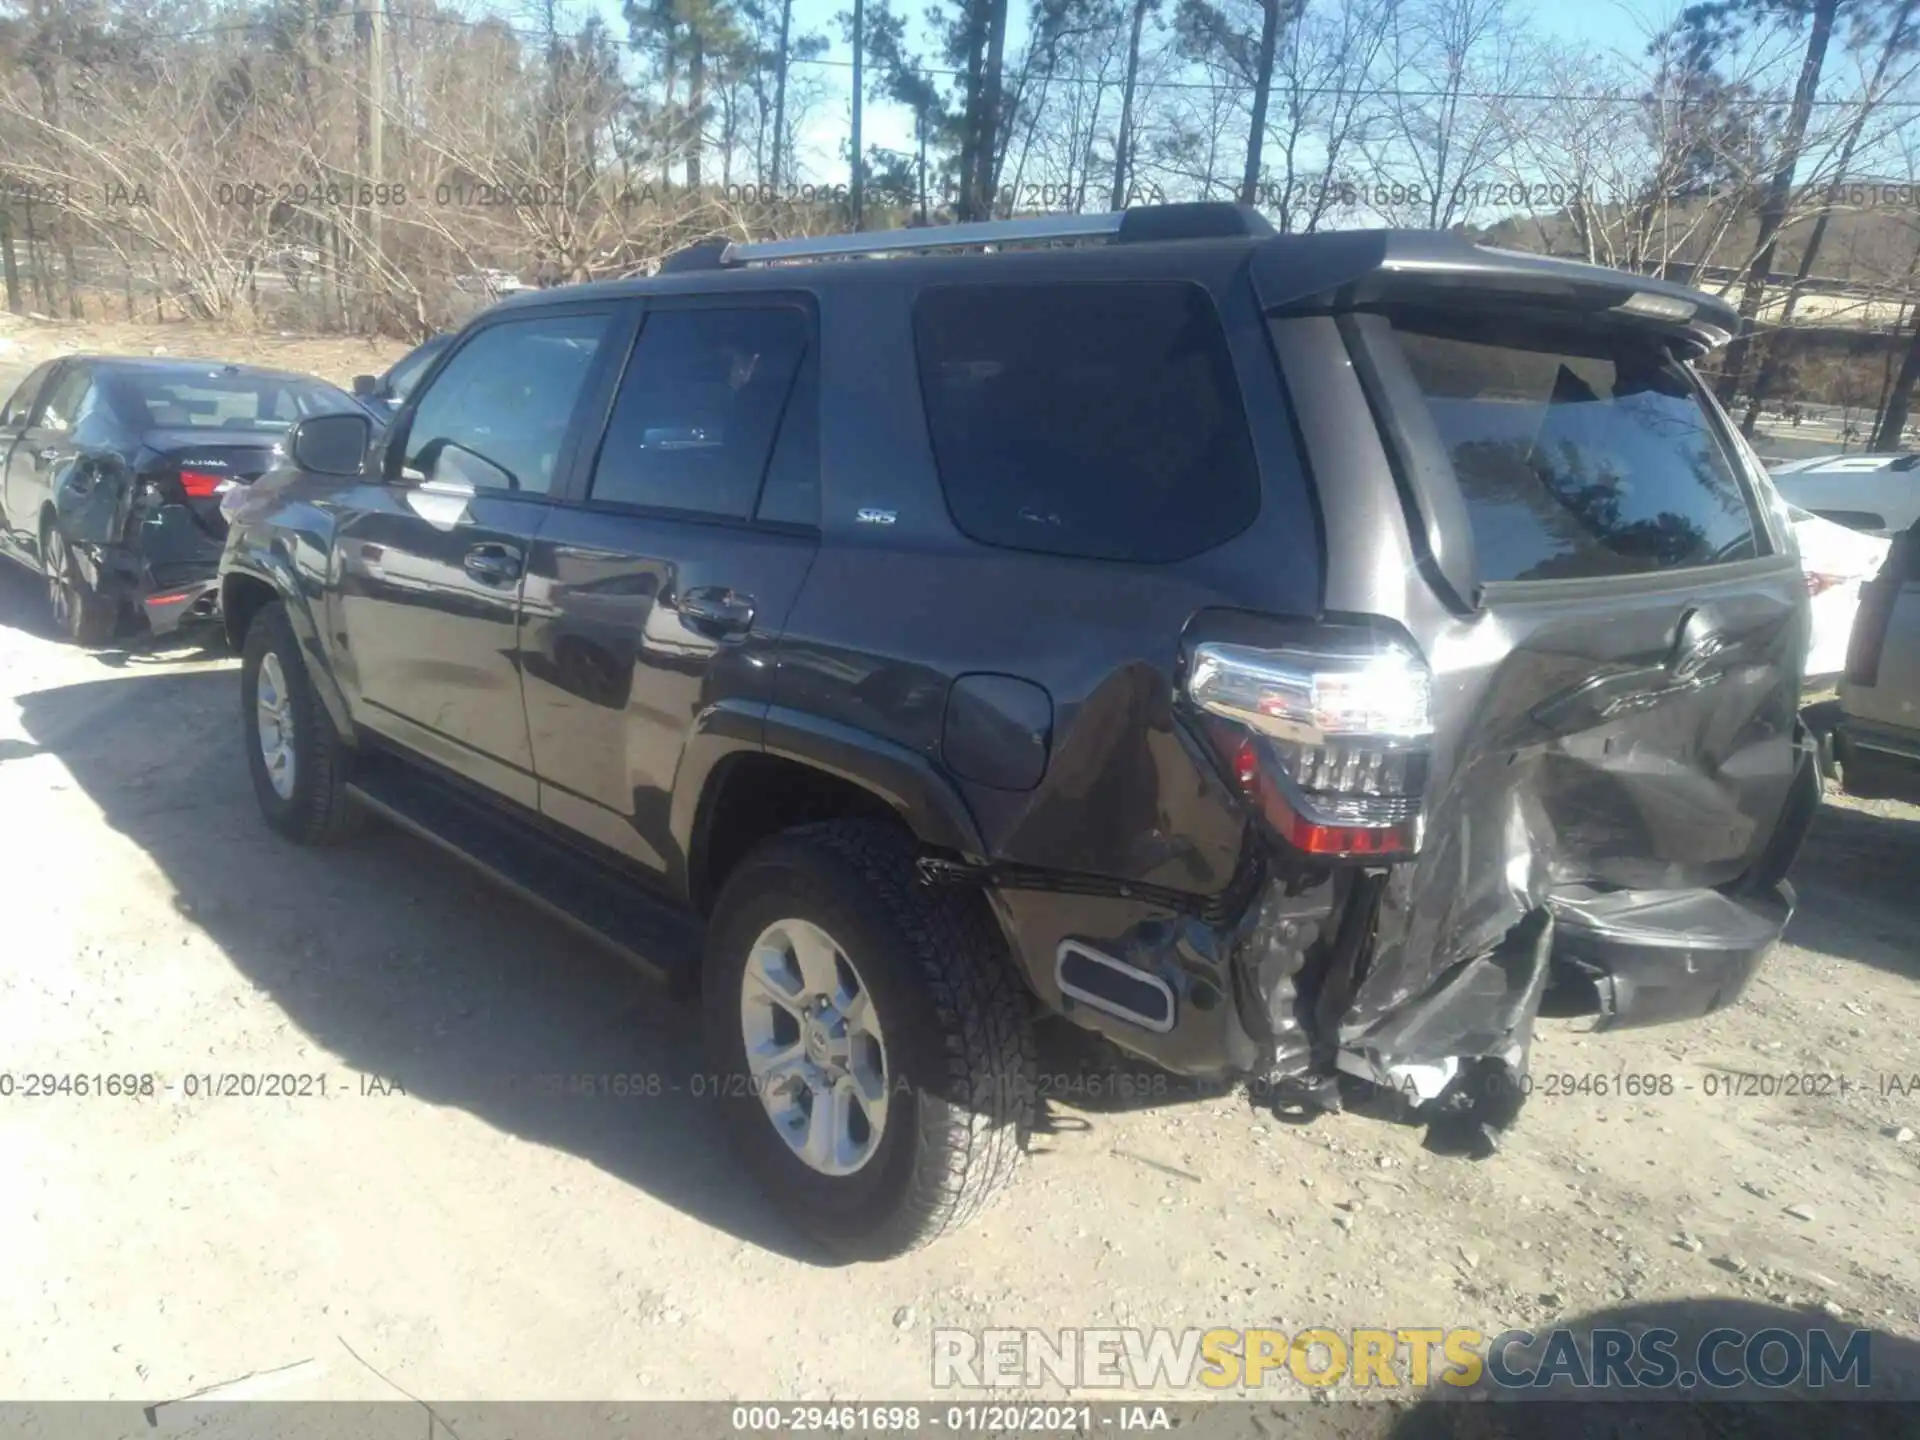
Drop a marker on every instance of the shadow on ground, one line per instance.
(1855, 878)
(23, 607)
(406, 965)
(1888, 1405)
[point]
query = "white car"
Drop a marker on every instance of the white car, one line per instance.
(1837, 562)
(1874, 494)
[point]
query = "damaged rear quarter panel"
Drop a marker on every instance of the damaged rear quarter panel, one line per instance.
(1570, 756)
(94, 498)
(1635, 733)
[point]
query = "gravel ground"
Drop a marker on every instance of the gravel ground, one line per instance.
(430, 1227)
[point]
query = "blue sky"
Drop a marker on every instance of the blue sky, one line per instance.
(1604, 25)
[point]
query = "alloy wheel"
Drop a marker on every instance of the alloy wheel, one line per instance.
(815, 1054)
(273, 707)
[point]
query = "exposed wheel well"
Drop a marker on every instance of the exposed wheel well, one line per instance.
(757, 796)
(241, 598)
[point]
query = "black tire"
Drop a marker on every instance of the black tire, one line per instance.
(960, 1050)
(318, 810)
(80, 613)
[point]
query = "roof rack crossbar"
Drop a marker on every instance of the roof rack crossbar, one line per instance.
(927, 237)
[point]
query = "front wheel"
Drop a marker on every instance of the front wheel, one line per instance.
(869, 1040)
(80, 613)
(296, 758)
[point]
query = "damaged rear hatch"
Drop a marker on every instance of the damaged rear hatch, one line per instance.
(1615, 627)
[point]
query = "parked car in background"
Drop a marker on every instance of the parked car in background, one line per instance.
(1238, 644)
(490, 283)
(1874, 494)
(384, 394)
(1877, 743)
(1837, 562)
(114, 470)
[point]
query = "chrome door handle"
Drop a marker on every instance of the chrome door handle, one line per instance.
(718, 608)
(492, 564)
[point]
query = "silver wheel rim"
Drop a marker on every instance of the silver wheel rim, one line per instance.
(814, 1049)
(274, 709)
(59, 584)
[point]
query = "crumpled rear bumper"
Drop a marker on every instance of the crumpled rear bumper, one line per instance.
(168, 592)
(168, 608)
(1652, 958)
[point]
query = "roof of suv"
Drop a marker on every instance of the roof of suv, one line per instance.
(1328, 270)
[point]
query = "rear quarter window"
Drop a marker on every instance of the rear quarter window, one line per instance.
(1578, 454)
(1100, 420)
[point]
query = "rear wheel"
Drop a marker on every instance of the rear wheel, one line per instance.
(80, 613)
(870, 1041)
(295, 757)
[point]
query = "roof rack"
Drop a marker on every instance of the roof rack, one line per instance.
(1203, 220)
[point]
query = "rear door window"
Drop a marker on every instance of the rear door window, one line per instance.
(20, 406)
(1100, 420)
(1578, 454)
(699, 406)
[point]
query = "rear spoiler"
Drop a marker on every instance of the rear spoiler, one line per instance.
(1347, 270)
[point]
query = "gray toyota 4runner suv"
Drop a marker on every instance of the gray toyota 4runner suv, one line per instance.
(1301, 659)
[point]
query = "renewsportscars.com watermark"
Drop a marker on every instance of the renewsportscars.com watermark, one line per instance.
(1832, 1360)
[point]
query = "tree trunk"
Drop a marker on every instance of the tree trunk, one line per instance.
(669, 79)
(1893, 419)
(70, 272)
(1773, 210)
(978, 14)
(1262, 92)
(920, 135)
(16, 302)
(780, 97)
(696, 109)
(987, 142)
(1123, 141)
(1770, 353)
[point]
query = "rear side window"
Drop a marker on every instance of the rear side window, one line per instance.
(62, 409)
(1099, 420)
(698, 409)
(1579, 455)
(20, 406)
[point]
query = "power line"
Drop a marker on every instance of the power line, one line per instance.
(1315, 92)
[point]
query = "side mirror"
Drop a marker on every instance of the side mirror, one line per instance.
(365, 385)
(331, 444)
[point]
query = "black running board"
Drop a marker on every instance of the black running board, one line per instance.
(594, 899)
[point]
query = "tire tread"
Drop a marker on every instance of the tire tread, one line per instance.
(967, 1152)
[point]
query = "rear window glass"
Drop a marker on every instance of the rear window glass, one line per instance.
(1098, 420)
(1579, 456)
(220, 401)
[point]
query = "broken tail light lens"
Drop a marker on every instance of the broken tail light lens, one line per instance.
(1329, 740)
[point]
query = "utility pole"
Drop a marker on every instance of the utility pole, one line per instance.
(376, 135)
(859, 97)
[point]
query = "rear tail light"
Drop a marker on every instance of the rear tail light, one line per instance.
(1818, 584)
(200, 485)
(1328, 738)
(1870, 620)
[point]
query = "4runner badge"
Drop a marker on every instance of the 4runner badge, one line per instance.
(869, 516)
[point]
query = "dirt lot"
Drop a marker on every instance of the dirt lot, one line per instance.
(430, 1226)
(25, 342)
